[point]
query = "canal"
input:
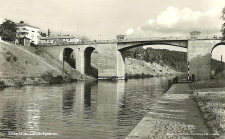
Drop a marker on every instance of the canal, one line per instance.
(80, 110)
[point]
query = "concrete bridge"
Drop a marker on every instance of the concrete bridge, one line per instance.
(111, 57)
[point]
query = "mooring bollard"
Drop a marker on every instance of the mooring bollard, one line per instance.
(169, 84)
(174, 80)
(193, 77)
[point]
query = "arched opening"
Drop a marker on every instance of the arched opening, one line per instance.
(155, 60)
(217, 61)
(69, 57)
(88, 68)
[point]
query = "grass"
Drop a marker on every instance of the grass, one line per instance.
(210, 96)
(212, 105)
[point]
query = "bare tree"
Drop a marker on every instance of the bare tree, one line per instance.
(223, 25)
(84, 40)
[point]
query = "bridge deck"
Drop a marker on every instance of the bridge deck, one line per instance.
(149, 39)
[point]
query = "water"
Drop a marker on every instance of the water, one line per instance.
(81, 110)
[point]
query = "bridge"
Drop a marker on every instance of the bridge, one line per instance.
(111, 58)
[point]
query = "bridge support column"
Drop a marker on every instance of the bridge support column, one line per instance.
(120, 65)
(110, 62)
(199, 58)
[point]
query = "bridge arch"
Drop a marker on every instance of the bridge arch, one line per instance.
(217, 68)
(149, 43)
(149, 58)
(88, 68)
(69, 56)
(221, 43)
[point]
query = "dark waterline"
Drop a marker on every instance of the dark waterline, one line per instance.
(81, 110)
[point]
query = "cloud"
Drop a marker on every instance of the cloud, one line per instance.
(130, 31)
(173, 21)
(151, 21)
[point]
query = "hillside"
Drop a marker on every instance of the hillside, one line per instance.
(21, 62)
(173, 59)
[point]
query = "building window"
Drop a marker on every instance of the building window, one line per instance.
(25, 29)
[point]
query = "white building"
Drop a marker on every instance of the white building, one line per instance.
(59, 40)
(31, 32)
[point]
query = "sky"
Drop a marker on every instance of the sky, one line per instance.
(104, 19)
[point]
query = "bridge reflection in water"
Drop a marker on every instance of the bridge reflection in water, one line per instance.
(92, 109)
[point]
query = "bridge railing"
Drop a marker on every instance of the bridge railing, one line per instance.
(137, 39)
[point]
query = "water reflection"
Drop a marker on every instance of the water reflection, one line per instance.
(88, 109)
(8, 121)
(68, 102)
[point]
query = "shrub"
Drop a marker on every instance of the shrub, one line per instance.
(32, 44)
(47, 76)
(2, 83)
(10, 57)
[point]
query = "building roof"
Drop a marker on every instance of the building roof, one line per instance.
(65, 37)
(24, 24)
(120, 35)
(58, 37)
(195, 32)
(48, 38)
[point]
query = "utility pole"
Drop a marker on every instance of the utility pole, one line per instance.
(63, 60)
(222, 65)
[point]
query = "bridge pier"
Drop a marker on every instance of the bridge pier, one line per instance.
(199, 57)
(80, 61)
(110, 62)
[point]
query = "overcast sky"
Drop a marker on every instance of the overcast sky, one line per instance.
(104, 19)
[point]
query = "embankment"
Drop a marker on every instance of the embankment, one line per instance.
(21, 65)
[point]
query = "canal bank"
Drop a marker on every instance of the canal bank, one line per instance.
(176, 115)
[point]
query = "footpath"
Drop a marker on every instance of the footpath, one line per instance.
(175, 116)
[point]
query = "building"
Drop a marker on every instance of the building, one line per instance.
(195, 34)
(59, 40)
(27, 31)
(120, 37)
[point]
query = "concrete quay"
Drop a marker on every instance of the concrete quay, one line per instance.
(175, 116)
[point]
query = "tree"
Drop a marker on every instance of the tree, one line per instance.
(84, 40)
(8, 30)
(223, 25)
(43, 34)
